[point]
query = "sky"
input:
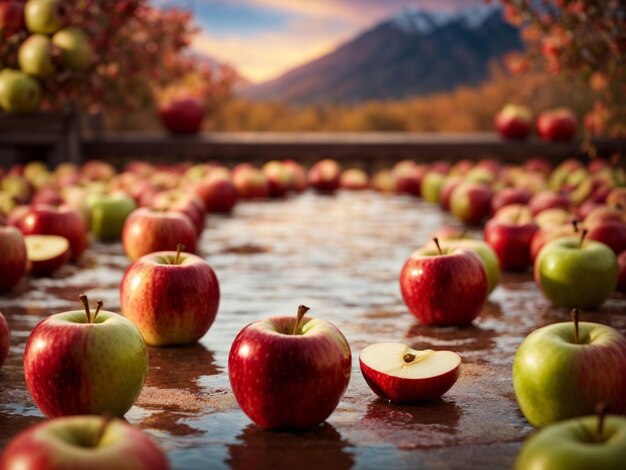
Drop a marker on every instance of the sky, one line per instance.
(262, 39)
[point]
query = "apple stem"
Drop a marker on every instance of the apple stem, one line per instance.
(408, 358)
(575, 223)
(83, 298)
(180, 247)
(99, 305)
(106, 420)
(575, 314)
(583, 234)
(601, 410)
(436, 240)
(302, 309)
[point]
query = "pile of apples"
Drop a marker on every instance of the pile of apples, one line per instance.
(568, 223)
(49, 47)
(516, 122)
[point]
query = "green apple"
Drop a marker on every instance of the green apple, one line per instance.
(19, 93)
(44, 16)
(484, 252)
(35, 57)
(431, 186)
(108, 214)
(573, 272)
(563, 370)
(75, 49)
(577, 444)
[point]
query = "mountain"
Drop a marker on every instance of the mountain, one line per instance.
(414, 53)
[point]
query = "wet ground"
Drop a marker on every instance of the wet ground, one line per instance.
(341, 256)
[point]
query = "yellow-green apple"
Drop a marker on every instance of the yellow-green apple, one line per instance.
(470, 202)
(514, 121)
(548, 199)
(577, 443)
(557, 124)
(46, 253)
(400, 374)
(383, 181)
(108, 213)
(511, 240)
(63, 221)
(11, 16)
(560, 174)
(430, 188)
(514, 213)
(180, 201)
(545, 235)
(555, 217)
(574, 272)
(563, 370)
(298, 173)
(172, 297)
(76, 52)
(251, 183)
(612, 234)
(485, 253)
(324, 175)
(444, 287)
(5, 339)
(183, 115)
(85, 362)
(508, 196)
(289, 372)
(44, 16)
(82, 442)
(35, 56)
(12, 257)
(354, 179)
(19, 93)
(279, 177)
(147, 231)
(218, 194)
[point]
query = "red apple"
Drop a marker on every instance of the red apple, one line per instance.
(304, 363)
(82, 442)
(63, 221)
(172, 297)
(182, 115)
(383, 181)
(217, 193)
(250, 183)
(5, 339)
(610, 233)
(147, 231)
(511, 242)
(447, 188)
(12, 258)
(461, 167)
(617, 198)
(539, 165)
(556, 217)
(507, 196)
(471, 202)
(298, 174)
(548, 199)
(557, 124)
(408, 176)
(279, 177)
(46, 253)
(354, 179)
(11, 16)
(444, 288)
(514, 122)
(47, 196)
(545, 235)
(604, 214)
(400, 374)
(325, 175)
(183, 202)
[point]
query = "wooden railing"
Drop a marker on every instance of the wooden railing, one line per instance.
(57, 137)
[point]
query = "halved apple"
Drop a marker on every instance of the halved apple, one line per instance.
(46, 253)
(400, 374)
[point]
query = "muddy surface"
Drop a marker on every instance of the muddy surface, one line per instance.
(341, 256)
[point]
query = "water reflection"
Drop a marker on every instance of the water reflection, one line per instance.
(472, 338)
(180, 367)
(322, 447)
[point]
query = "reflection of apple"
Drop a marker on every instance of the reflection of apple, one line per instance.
(46, 253)
(83, 442)
(280, 360)
(182, 116)
(400, 374)
(563, 370)
(577, 443)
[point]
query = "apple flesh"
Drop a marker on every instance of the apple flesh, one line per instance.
(400, 374)
(83, 442)
(79, 363)
(46, 253)
(289, 373)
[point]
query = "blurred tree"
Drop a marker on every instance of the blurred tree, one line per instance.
(586, 37)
